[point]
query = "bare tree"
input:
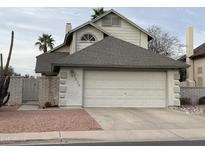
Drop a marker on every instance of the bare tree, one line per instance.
(164, 43)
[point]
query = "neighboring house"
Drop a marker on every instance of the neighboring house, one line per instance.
(196, 59)
(105, 63)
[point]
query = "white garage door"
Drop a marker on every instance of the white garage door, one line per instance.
(124, 89)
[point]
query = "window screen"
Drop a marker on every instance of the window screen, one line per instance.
(107, 21)
(200, 81)
(199, 70)
(111, 21)
(115, 21)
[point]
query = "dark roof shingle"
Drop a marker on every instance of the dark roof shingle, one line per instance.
(115, 53)
(199, 52)
(43, 61)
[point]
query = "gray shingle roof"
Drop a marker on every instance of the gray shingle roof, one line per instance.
(43, 61)
(89, 23)
(199, 52)
(115, 53)
(182, 58)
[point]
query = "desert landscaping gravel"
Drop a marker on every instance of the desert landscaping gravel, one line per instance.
(12, 121)
(189, 109)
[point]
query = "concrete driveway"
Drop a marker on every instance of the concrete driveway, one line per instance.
(144, 119)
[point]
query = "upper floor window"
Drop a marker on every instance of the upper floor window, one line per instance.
(88, 38)
(111, 21)
(199, 70)
(200, 81)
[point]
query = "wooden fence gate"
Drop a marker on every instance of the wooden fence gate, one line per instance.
(30, 89)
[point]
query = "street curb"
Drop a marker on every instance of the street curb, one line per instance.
(102, 136)
(24, 142)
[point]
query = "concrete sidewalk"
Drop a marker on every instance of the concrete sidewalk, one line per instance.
(103, 136)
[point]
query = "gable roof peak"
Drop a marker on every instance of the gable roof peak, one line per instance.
(92, 23)
(125, 18)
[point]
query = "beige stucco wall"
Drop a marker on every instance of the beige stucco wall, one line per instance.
(194, 93)
(71, 87)
(173, 89)
(48, 90)
(16, 91)
(199, 63)
(126, 32)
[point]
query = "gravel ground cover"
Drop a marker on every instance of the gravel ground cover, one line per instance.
(190, 109)
(13, 121)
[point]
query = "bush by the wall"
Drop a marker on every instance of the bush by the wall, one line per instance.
(202, 100)
(183, 75)
(48, 104)
(185, 101)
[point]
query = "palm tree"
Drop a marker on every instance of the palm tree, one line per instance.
(97, 12)
(44, 42)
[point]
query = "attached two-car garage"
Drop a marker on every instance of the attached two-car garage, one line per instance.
(115, 73)
(124, 89)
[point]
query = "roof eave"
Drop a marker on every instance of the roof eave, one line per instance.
(70, 33)
(197, 56)
(120, 66)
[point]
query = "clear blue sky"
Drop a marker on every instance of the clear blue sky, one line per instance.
(29, 23)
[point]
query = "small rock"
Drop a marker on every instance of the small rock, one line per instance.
(188, 109)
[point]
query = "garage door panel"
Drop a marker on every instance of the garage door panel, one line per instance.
(124, 92)
(123, 103)
(124, 84)
(123, 75)
(124, 89)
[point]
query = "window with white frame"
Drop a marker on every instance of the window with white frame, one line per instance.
(88, 38)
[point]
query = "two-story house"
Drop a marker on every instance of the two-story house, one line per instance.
(106, 63)
(196, 59)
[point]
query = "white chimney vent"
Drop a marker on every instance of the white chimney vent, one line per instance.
(189, 41)
(68, 27)
(189, 52)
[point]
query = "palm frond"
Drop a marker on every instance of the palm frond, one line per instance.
(97, 12)
(45, 41)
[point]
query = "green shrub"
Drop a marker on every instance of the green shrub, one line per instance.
(185, 101)
(48, 104)
(202, 100)
(183, 75)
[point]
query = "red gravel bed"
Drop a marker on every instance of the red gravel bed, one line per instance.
(12, 121)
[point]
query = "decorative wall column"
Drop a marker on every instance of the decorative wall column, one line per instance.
(173, 88)
(71, 87)
(63, 88)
